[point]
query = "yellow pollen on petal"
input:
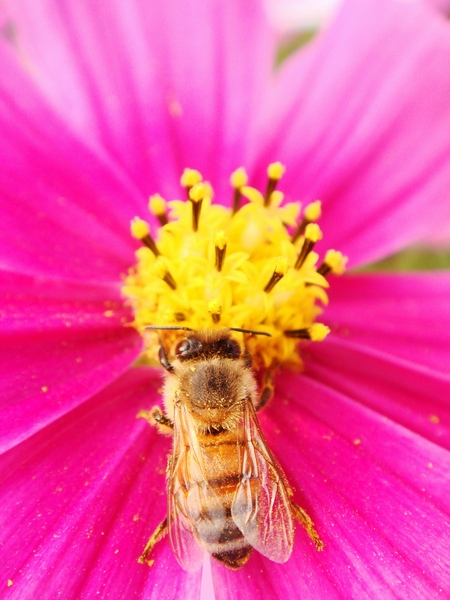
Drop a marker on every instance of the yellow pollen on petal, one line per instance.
(210, 266)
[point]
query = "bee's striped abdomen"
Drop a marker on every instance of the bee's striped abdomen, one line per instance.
(228, 544)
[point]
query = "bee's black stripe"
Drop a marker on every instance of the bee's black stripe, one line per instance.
(227, 481)
(220, 513)
(234, 558)
(229, 535)
(217, 443)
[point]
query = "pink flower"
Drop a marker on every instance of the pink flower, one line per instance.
(104, 103)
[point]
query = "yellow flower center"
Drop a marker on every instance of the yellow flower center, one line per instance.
(251, 266)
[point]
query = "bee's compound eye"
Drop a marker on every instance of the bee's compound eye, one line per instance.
(188, 348)
(230, 348)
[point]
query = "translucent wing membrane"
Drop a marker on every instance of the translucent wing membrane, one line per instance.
(194, 508)
(261, 508)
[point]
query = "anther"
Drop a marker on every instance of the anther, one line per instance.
(141, 231)
(275, 172)
(189, 178)
(317, 332)
(157, 206)
(238, 180)
(334, 262)
(220, 244)
(162, 271)
(196, 195)
(278, 273)
(312, 235)
(311, 214)
(214, 309)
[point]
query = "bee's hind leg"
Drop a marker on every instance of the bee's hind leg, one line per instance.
(305, 520)
(158, 534)
(156, 418)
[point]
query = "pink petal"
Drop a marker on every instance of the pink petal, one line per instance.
(375, 490)
(65, 209)
(389, 349)
(81, 499)
(398, 314)
(354, 121)
(43, 377)
(34, 305)
(161, 86)
(409, 394)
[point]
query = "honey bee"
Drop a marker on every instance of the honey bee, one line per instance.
(227, 495)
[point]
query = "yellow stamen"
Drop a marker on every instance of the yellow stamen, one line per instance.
(316, 333)
(161, 270)
(220, 244)
(278, 273)
(334, 262)
(141, 231)
(190, 177)
(313, 211)
(214, 308)
(197, 194)
(157, 206)
(275, 172)
(234, 267)
(238, 180)
(312, 235)
(139, 228)
(311, 214)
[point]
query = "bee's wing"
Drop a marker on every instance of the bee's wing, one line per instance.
(181, 532)
(261, 507)
(193, 505)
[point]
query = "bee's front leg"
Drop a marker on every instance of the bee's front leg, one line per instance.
(267, 390)
(158, 534)
(156, 418)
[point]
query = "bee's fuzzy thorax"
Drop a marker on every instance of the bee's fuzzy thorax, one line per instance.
(213, 391)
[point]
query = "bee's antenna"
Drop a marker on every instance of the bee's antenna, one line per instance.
(178, 328)
(170, 327)
(250, 331)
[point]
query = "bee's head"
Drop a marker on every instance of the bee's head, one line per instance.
(207, 345)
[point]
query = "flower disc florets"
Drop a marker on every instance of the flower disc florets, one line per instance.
(250, 267)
